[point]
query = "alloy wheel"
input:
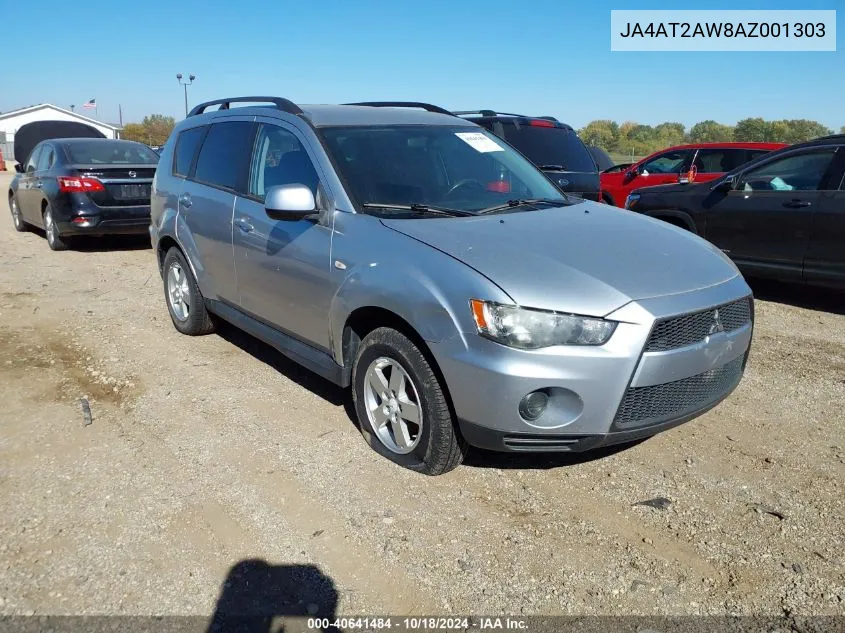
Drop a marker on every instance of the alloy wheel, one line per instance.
(178, 292)
(393, 405)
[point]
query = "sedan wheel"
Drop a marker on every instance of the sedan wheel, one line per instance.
(54, 240)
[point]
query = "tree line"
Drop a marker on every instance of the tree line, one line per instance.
(625, 138)
(631, 137)
(153, 130)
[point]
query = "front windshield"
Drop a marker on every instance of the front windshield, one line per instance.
(460, 168)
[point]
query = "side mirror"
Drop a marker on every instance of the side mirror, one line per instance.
(728, 184)
(630, 174)
(19, 168)
(289, 202)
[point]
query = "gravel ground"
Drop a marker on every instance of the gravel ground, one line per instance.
(214, 469)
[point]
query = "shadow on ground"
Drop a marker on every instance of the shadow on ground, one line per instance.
(291, 370)
(809, 297)
(257, 597)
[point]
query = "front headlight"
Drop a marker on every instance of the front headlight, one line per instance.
(526, 328)
(631, 200)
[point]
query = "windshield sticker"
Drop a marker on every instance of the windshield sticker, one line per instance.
(479, 142)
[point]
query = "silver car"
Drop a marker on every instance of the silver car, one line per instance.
(420, 260)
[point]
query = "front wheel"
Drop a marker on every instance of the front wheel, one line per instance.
(402, 408)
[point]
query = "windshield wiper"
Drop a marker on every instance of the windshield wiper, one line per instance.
(417, 208)
(511, 204)
(553, 167)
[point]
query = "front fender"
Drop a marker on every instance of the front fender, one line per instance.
(413, 296)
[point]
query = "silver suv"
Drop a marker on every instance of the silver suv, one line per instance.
(420, 260)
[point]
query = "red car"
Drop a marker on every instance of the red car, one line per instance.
(684, 163)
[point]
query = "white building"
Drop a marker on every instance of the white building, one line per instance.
(10, 122)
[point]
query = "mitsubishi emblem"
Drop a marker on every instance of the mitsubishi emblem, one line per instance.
(717, 323)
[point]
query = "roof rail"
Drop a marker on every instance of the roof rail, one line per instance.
(548, 118)
(282, 104)
(488, 113)
(403, 104)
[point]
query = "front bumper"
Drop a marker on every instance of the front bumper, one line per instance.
(588, 386)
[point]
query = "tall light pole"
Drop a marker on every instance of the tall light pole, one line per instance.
(185, 85)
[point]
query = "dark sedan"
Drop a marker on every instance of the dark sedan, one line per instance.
(84, 186)
(780, 216)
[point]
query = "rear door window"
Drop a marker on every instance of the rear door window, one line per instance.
(45, 160)
(225, 155)
(547, 146)
(187, 145)
(710, 161)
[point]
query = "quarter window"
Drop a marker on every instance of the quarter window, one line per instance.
(45, 160)
(798, 172)
(280, 159)
(223, 160)
(186, 148)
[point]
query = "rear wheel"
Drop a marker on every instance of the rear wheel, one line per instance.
(184, 299)
(401, 406)
(55, 241)
(17, 217)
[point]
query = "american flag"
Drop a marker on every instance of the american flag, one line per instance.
(90, 105)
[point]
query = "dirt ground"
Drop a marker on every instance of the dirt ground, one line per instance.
(207, 456)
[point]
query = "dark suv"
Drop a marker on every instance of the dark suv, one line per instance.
(781, 215)
(551, 145)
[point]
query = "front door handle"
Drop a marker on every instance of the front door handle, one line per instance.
(185, 200)
(244, 225)
(797, 204)
(38, 184)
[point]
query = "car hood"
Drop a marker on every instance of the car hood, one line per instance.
(587, 258)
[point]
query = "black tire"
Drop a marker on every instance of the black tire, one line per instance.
(441, 447)
(54, 240)
(608, 199)
(197, 321)
(17, 217)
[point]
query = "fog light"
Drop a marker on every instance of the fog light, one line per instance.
(532, 406)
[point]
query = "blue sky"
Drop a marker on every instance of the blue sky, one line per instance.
(547, 57)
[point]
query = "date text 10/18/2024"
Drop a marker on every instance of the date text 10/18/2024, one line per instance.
(419, 623)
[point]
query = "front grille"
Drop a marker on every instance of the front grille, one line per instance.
(643, 406)
(694, 327)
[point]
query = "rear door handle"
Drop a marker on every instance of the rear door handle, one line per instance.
(244, 225)
(38, 185)
(185, 200)
(797, 204)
